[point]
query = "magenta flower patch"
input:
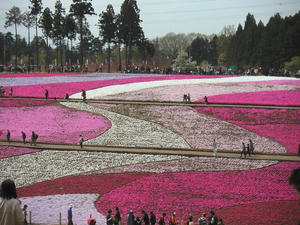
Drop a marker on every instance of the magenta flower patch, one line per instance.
(284, 97)
(99, 184)
(191, 192)
(273, 212)
(7, 151)
(52, 123)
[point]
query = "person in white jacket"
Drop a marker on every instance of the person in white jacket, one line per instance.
(10, 208)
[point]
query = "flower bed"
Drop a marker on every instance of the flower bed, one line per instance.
(281, 97)
(60, 87)
(277, 124)
(197, 129)
(52, 123)
(8, 151)
(191, 192)
(273, 212)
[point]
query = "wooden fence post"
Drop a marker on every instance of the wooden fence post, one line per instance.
(59, 218)
(30, 217)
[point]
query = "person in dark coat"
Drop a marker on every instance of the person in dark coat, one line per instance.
(23, 137)
(248, 149)
(244, 152)
(117, 220)
(109, 219)
(205, 100)
(46, 94)
(152, 218)
(83, 94)
(251, 146)
(145, 218)
(8, 136)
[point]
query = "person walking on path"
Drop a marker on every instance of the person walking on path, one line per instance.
(298, 150)
(205, 100)
(23, 137)
(251, 146)
(212, 219)
(244, 152)
(8, 136)
(81, 141)
(46, 94)
(10, 92)
(152, 218)
(248, 149)
(70, 215)
(10, 205)
(214, 145)
(83, 94)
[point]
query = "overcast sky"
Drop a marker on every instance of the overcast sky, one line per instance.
(180, 16)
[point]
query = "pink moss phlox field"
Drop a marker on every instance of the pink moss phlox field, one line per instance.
(190, 192)
(59, 90)
(81, 184)
(283, 97)
(5, 75)
(278, 124)
(273, 212)
(52, 123)
(9, 151)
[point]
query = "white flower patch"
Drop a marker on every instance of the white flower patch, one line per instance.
(131, 132)
(123, 88)
(191, 164)
(46, 209)
(47, 165)
(198, 129)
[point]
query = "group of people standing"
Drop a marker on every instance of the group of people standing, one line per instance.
(34, 137)
(249, 149)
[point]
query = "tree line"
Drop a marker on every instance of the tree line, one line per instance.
(121, 41)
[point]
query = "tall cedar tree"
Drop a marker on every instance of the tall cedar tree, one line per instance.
(108, 29)
(46, 23)
(35, 10)
(14, 17)
(28, 22)
(79, 9)
(130, 29)
(70, 29)
(58, 32)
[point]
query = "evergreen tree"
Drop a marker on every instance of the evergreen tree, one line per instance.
(130, 28)
(14, 17)
(46, 23)
(108, 28)
(28, 22)
(79, 9)
(35, 10)
(70, 30)
(58, 30)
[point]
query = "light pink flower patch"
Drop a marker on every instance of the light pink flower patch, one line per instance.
(283, 97)
(59, 90)
(8, 151)
(191, 192)
(52, 123)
